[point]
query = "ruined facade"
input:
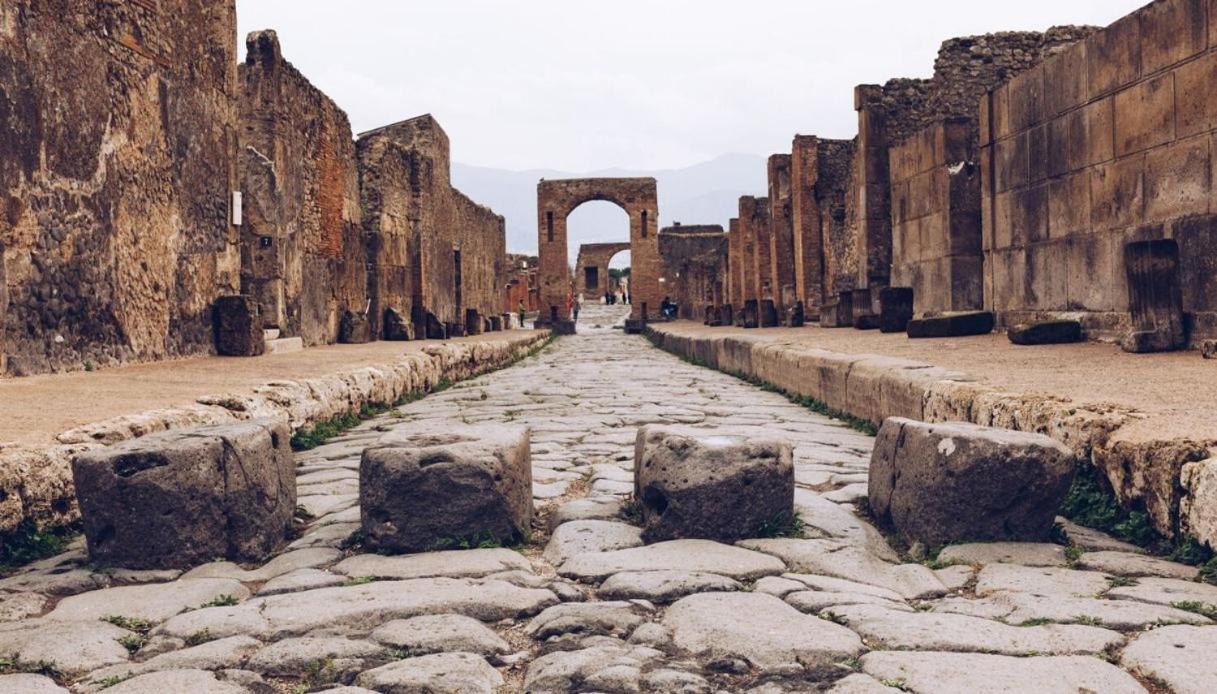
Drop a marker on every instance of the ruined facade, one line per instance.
(754, 232)
(522, 283)
(781, 233)
(1105, 143)
(118, 159)
(556, 199)
(302, 252)
(694, 258)
(592, 268)
(435, 257)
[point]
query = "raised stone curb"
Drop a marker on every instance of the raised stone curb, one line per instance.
(1171, 478)
(36, 481)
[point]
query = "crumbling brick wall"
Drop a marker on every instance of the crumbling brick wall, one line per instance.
(521, 283)
(420, 230)
(117, 159)
(781, 232)
(302, 247)
(735, 263)
(754, 221)
(936, 220)
(694, 258)
(818, 176)
(1107, 142)
(840, 221)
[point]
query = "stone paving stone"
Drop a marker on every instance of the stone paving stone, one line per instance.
(928, 631)
(968, 673)
(1128, 564)
(1039, 580)
(74, 647)
(1179, 656)
(610, 618)
(294, 656)
(664, 586)
(15, 606)
(1025, 553)
(815, 601)
(284, 563)
(441, 633)
(833, 558)
(1023, 608)
(441, 672)
(588, 536)
(452, 563)
(29, 684)
(155, 603)
(220, 654)
(1166, 591)
(678, 555)
(608, 667)
(193, 681)
(766, 633)
(302, 579)
(592, 508)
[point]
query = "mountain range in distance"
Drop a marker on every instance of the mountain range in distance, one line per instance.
(705, 193)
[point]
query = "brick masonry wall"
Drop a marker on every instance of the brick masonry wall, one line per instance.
(694, 257)
(754, 220)
(1108, 141)
(303, 255)
(781, 232)
(115, 244)
(735, 264)
(936, 218)
(598, 256)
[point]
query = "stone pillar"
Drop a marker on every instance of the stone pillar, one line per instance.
(805, 222)
(554, 272)
(1155, 296)
(754, 216)
(3, 314)
(873, 190)
(781, 234)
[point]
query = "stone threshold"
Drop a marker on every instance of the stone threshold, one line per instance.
(36, 480)
(1174, 479)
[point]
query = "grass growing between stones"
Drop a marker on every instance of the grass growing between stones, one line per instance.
(856, 423)
(1091, 503)
(29, 543)
(46, 668)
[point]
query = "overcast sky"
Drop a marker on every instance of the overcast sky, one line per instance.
(580, 85)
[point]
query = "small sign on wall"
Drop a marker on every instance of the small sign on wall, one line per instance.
(236, 208)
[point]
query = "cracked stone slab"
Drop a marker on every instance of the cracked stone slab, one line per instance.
(768, 634)
(584, 536)
(664, 586)
(301, 579)
(1024, 553)
(679, 555)
(156, 602)
(1129, 564)
(1019, 608)
(282, 564)
(832, 558)
(931, 631)
(75, 647)
(1180, 656)
(291, 657)
(590, 508)
(193, 681)
(461, 563)
(1037, 580)
(15, 606)
(612, 618)
(815, 601)
(1166, 591)
(220, 654)
(441, 633)
(607, 667)
(968, 673)
(363, 607)
(29, 684)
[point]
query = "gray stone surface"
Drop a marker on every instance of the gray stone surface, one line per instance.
(611, 618)
(183, 497)
(465, 673)
(155, 603)
(441, 633)
(427, 490)
(768, 634)
(832, 558)
(664, 586)
(967, 673)
(1129, 564)
(1179, 656)
(679, 555)
(74, 647)
(953, 482)
(684, 478)
(473, 563)
(294, 656)
(29, 684)
(1025, 553)
(193, 681)
(583, 536)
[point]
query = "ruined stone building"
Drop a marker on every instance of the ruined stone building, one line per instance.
(592, 268)
(522, 282)
(435, 258)
(693, 256)
(146, 176)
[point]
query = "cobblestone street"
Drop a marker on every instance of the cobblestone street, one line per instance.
(584, 606)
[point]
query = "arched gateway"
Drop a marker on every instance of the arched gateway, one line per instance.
(592, 268)
(556, 200)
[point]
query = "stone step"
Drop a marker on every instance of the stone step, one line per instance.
(284, 345)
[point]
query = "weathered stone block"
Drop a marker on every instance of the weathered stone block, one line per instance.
(455, 329)
(1145, 115)
(768, 314)
(953, 325)
(238, 327)
(420, 492)
(895, 309)
(354, 329)
(473, 322)
(567, 327)
(726, 315)
(693, 484)
(1155, 296)
(397, 328)
(184, 497)
(955, 482)
(712, 317)
(496, 323)
(750, 317)
(838, 314)
(1046, 332)
(434, 328)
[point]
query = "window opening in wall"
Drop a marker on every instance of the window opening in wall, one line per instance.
(549, 227)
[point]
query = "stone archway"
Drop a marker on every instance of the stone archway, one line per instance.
(592, 268)
(557, 199)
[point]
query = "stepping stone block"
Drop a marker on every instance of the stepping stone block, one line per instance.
(1048, 332)
(1155, 297)
(426, 491)
(354, 329)
(769, 314)
(953, 482)
(895, 309)
(238, 327)
(751, 315)
(179, 498)
(473, 322)
(396, 327)
(693, 484)
(838, 314)
(953, 325)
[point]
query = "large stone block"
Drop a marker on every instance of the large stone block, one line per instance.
(238, 327)
(955, 482)
(426, 491)
(838, 314)
(693, 484)
(396, 327)
(953, 325)
(1046, 332)
(768, 317)
(895, 309)
(184, 497)
(1155, 296)
(354, 328)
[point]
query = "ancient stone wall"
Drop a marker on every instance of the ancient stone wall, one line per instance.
(118, 136)
(431, 250)
(592, 268)
(303, 254)
(754, 217)
(781, 232)
(694, 257)
(522, 283)
(936, 250)
(1107, 142)
(838, 215)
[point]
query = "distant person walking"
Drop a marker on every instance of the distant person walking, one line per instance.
(578, 305)
(570, 304)
(522, 311)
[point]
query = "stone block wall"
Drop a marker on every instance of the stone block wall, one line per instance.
(1106, 142)
(303, 256)
(754, 230)
(431, 250)
(735, 280)
(781, 232)
(115, 242)
(823, 241)
(521, 283)
(592, 268)
(694, 257)
(936, 218)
